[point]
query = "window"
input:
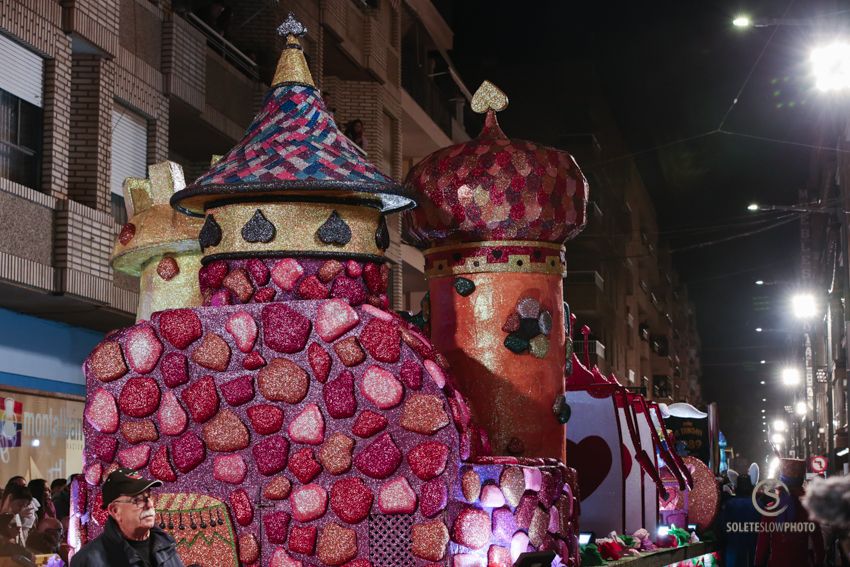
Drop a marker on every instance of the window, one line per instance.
(21, 85)
(129, 154)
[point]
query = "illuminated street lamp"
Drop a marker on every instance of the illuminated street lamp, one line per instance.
(801, 408)
(780, 426)
(753, 207)
(790, 376)
(759, 282)
(759, 329)
(804, 306)
(831, 66)
(742, 22)
(777, 439)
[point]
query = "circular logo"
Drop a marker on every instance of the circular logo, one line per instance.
(766, 497)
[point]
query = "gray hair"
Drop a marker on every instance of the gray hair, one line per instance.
(829, 500)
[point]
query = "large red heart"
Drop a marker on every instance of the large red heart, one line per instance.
(592, 460)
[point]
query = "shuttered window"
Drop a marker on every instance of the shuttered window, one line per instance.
(23, 72)
(129, 154)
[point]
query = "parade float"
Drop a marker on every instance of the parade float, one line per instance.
(292, 418)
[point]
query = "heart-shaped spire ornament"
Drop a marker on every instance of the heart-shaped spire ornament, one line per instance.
(489, 97)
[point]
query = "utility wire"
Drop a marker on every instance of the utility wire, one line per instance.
(734, 237)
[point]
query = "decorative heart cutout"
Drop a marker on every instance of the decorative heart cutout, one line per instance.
(628, 461)
(592, 459)
(334, 231)
(210, 233)
(258, 229)
(489, 97)
(382, 235)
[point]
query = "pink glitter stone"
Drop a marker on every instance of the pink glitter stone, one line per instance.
(266, 418)
(368, 423)
(411, 374)
(201, 398)
(160, 467)
(174, 369)
(436, 373)
(139, 397)
(271, 454)
(277, 526)
(180, 327)
(381, 388)
(304, 465)
(353, 269)
(308, 427)
(308, 502)
(240, 503)
(142, 348)
(285, 330)
(334, 318)
(230, 468)
(519, 544)
(220, 298)
(172, 418)
(491, 496)
(282, 559)
(320, 362)
(351, 500)
(243, 329)
(312, 288)
(498, 556)
(469, 560)
(428, 460)
(379, 313)
(102, 412)
(379, 459)
(239, 390)
(349, 290)
(472, 528)
(103, 447)
(134, 457)
(93, 473)
(397, 497)
(504, 525)
(302, 539)
(339, 396)
(188, 451)
(258, 270)
(286, 272)
(382, 340)
(434, 496)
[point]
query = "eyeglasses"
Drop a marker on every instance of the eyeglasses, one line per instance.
(138, 501)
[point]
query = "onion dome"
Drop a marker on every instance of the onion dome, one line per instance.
(292, 150)
(494, 188)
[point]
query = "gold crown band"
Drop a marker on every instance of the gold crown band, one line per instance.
(495, 256)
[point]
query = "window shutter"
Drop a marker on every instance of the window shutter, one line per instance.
(129, 147)
(22, 71)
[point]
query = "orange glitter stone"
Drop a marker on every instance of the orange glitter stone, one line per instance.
(278, 488)
(138, 431)
(336, 544)
(249, 549)
(512, 483)
(470, 484)
(167, 268)
(283, 380)
(237, 281)
(424, 413)
(350, 352)
(429, 540)
(212, 353)
(225, 432)
(107, 362)
(335, 454)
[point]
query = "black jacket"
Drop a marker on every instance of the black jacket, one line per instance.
(110, 549)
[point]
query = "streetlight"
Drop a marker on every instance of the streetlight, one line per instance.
(777, 439)
(742, 21)
(762, 362)
(831, 66)
(759, 329)
(780, 426)
(804, 306)
(759, 282)
(753, 207)
(801, 408)
(790, 376)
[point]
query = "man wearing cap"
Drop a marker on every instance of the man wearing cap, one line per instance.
(130, 537)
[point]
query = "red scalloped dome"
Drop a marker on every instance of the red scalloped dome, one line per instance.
(495, 188)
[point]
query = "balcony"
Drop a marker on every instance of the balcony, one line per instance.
(596, 351)
(585, 293)
(661, 365)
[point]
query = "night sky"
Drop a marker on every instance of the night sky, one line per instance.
(669, 71)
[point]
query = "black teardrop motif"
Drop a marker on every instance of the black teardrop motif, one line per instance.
(258, 229)
(382, 235)
(334, 231)
(210, 233)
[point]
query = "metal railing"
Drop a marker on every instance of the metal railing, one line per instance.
(223, 47)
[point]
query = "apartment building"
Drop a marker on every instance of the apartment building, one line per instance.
(93, 91)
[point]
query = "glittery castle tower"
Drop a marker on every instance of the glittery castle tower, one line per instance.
(159, 245)
(292, 418)
(493, 217)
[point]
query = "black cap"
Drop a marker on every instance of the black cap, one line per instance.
(125, 482)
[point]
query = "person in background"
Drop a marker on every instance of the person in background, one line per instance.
(62, 502)
(740, 547)
(130, 537)
(46, 538)
(9, 548)
(16, 500)
(56, 486)
(828, 501)
(355, 131)
(41, 493)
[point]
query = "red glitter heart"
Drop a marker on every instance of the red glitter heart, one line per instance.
(134, 457)
(225, 433)
(320, 362)
(277, 526)
(334, 318)
(265, 418)
(102, 412)
(212, 353)
(253, 361)
(286, 272)
(349, 351)
(180, 327)
(308, 502)
(434, 496)
(411, 374)
(201, 399)
(142, 348)
(103, 447)
(271, 454)
(304, 465)
(239, 390)
(349, 290)
(351, 500)
(368, 423)
(174, 369)
(302, 539)
(472, 528)
(284, 329)
(138, 431)
(212, 275)
(258, 270)
(106, 362)
(160, 467)
(139, 397)
(381, 388)
(242, 508)
(382, 340)
(188, 451)
(380, 459)
(312, 288)
(230, 468)
(308, 427)
(171, 416)
(339, 396)
(397, 497)
(428, 460)
(243, 329)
